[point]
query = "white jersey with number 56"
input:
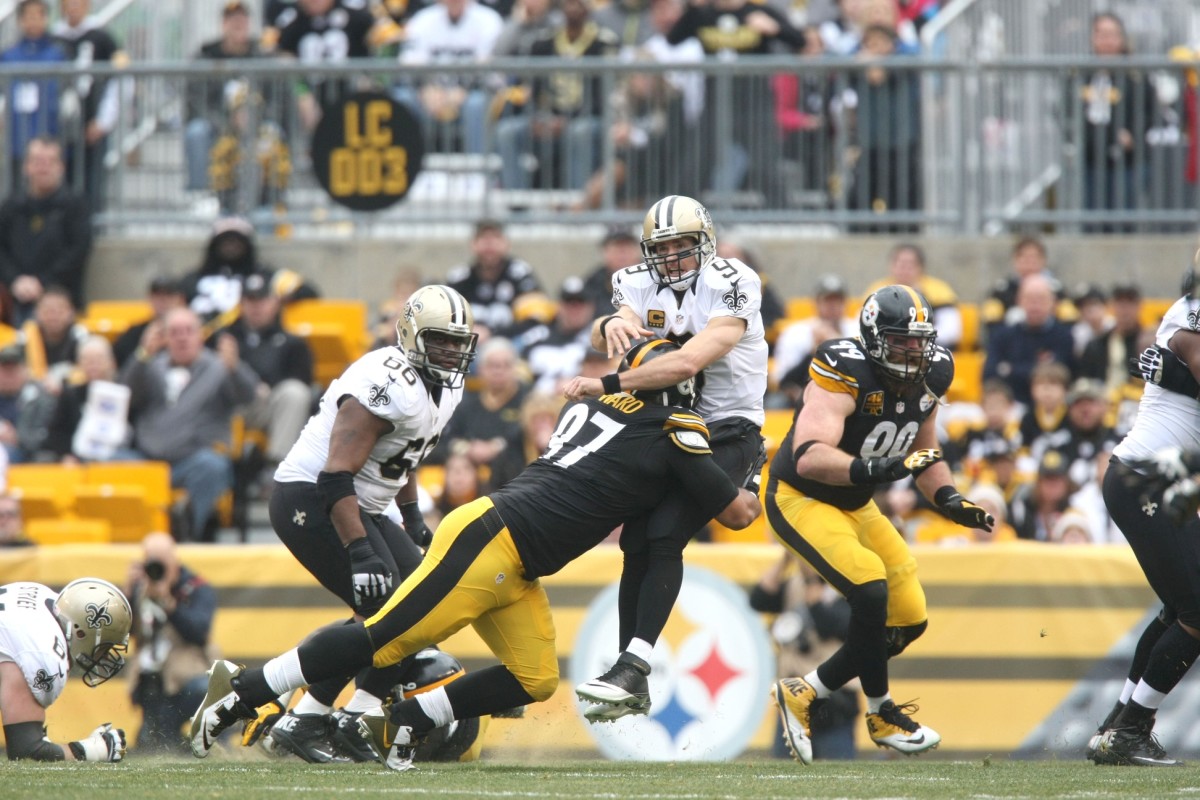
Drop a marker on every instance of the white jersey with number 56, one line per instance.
(31, 638)
(734, 384)
(388, 387)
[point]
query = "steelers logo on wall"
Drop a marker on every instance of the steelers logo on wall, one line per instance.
(367, 151)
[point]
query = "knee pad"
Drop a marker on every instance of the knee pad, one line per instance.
(868, 602)
(541, 686)
(901, 636)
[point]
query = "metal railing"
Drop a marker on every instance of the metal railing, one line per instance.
(949, 144)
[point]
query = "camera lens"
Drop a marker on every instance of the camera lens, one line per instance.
(154, 570)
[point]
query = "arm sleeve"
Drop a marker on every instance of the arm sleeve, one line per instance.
(703, 480)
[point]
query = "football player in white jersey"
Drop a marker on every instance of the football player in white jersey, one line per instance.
(1140, 489)
(42, 636)
(375, 424)
(682, 291)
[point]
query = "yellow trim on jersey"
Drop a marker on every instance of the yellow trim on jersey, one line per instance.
(829, 372)
(689, 421)
(922, 316)
(831, 384)
(687, 448)
(641, 356)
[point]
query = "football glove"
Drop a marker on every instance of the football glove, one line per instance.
(920, 460)
(962, 511)
(370, 577)
(1164, 369)
(106, 743)
(1181, 501)
(878, 470)
(414, 525)
(268, 715)
(753, 480)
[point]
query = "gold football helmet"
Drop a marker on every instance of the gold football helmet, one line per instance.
(434, 330)
(672, 219)
(96, 619)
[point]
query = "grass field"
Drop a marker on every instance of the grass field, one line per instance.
(595, 780)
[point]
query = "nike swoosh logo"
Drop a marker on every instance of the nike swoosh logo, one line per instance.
(832, 361)
(917, 741)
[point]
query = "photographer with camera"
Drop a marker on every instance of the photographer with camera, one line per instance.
(173, 612)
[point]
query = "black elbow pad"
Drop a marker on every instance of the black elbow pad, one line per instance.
(27, 740)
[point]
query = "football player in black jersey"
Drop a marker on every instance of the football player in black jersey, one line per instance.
(868, 417)
(610, 459)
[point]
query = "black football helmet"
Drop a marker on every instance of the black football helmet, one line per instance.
(896, 326)
(458, 741)
(682, 394)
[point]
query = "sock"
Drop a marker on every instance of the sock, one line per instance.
(1133, 715)
(1146, 697)
(660, 587)
(640, 648)
(875, 703)
(363, 701)
(436, 706)
(310, 705)
(486, 691)
(814, 680)
(411, 714)
(1145, 646)
(283, 673)
(1127, 691)
(1170, 660)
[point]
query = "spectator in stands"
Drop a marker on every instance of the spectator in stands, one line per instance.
(85, 42)
(408, 279)
(1083, 436)
(1094, 320)
(206, 97)
(1105, 358)
(173, 611)
(561, 125)
(1038, 506)
(663, 15)
(12, 526)
(52, 338)
(619, 248)
(163, 294)
(1028, 258)
(998, 431)
(906, 266)
(844, 34)
(538, 419)
(245, 104)
(33, 105)
(183, 398)
(1073, 527)
(283, 363)
(555, 352)
(494, 278)
(530, 20)
(1047, 410)
(452, 107)
(1016, 348)
(215, 289)
(90, 393)
(45, 232)
(804, 112)
(462, 484)
(628, 20)
(25, 407)
(799, 340)
(488, 421)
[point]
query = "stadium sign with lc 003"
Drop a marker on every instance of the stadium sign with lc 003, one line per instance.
(367, 151)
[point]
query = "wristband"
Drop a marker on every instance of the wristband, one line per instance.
(944, 495)
(333, 486)
(858, 472)
(411, 513)
(611, 383)
(605, 321)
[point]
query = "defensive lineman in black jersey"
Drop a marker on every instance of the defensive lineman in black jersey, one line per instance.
(610, 459)
(868, 417)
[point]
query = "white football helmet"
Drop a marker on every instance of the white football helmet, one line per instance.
(435, 333)
(672, 218)
(96, 619)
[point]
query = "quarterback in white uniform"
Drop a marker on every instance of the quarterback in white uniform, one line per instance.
(710, 306)
(44, 634)
(1161, 448)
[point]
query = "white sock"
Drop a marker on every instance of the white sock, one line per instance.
(1127, 690)
(812, 680)
(310, 705)
(282, 673)
(1143, 695)
(640, 648)
(436, 705)
(363, 701)
(874, 703)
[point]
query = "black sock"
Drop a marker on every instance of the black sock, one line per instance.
(864, 654)
(326, 692)
(1145, 646)
(633, 572)
(382, 681)
(660, 588)
(252, 688)
(1172, 656)
(1133, 715)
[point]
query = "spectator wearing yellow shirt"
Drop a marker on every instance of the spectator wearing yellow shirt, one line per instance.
(906, 266)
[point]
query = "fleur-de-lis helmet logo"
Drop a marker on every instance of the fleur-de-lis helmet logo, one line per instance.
(97, 615)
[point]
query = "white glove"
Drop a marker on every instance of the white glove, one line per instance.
(1171, 464)
(106, 743)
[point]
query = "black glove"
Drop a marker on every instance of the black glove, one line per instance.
(414, 525)
(1181, 500)
(1164, 369)
(920, 460)
(878, 470)
(369, 577)
(962, 511)
(753, 480)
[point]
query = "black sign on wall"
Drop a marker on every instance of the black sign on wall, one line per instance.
(367, 151)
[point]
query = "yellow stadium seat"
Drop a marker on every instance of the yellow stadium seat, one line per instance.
(1152, 311)
(801, 308)
(778, 421)
(152, 478)
(8, 334)
(123, 506)
(68, 530)
(970, 327)
(968, 377)
(336, 332)
(46, 490)
(111, 318)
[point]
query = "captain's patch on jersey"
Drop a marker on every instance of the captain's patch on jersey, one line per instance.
(691, 441)
(656, 318)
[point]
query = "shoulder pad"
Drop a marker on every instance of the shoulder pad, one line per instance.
(684, 421)
(690, 441)
(833, 370)
(633, 275)
(941, 371)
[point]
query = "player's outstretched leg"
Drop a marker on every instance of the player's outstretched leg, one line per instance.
(892, 726)
(795, 697)
(623, 690)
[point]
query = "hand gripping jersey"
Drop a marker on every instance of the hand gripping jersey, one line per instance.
(610, 460)
(734, 384)
(884, 422)
(389, 388)
(1165, 418)
(31, 638)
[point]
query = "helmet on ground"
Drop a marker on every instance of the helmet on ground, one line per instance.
(434, 330)
(96, 619)
(682, 394)
(673, 219)
(896, 325)
(429, 669)
(461, 739)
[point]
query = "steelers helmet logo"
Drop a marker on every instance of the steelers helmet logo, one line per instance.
(870, 312)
